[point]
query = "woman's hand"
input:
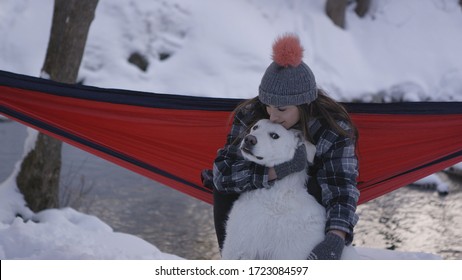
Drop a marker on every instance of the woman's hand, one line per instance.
(272, 174)
(298, 163)
(329, 249)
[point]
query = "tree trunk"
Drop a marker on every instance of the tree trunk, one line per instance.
(69, 30)
(38, 179)
(335, 10)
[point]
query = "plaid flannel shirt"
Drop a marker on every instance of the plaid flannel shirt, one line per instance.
(336, 162)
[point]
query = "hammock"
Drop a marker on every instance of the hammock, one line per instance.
(171, 138)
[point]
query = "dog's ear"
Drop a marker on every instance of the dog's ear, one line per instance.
(310, 148)
(310, 151)
(298, 134)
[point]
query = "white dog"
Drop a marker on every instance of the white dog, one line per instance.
(284, 221)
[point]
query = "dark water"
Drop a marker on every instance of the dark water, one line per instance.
(414, 219)
(409, 219)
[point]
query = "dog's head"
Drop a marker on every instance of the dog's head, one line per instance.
(270, 144)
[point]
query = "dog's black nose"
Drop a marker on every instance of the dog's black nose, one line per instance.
(250, 140)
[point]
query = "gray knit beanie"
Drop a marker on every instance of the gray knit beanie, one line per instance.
(287, 80)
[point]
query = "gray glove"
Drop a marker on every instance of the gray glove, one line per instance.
(296, 164)
(329, 249)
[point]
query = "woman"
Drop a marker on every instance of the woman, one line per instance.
(288, 95)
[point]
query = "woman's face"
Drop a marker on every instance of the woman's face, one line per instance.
(287, 116)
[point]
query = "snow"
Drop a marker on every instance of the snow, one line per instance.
(402, 50)
(433, 181)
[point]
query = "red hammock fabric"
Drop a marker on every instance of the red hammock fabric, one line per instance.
(171, 138)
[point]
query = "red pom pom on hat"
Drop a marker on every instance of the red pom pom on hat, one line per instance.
(287, 51)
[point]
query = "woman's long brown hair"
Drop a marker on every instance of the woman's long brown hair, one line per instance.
(324, 108)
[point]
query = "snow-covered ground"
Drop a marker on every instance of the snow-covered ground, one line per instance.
(402, 50)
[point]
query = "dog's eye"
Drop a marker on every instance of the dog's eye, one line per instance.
(274, 135)
(255, 127)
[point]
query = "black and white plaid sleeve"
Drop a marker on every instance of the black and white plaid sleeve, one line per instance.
(337, 179)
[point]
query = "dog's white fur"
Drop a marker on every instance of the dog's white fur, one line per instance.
(284, 221)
